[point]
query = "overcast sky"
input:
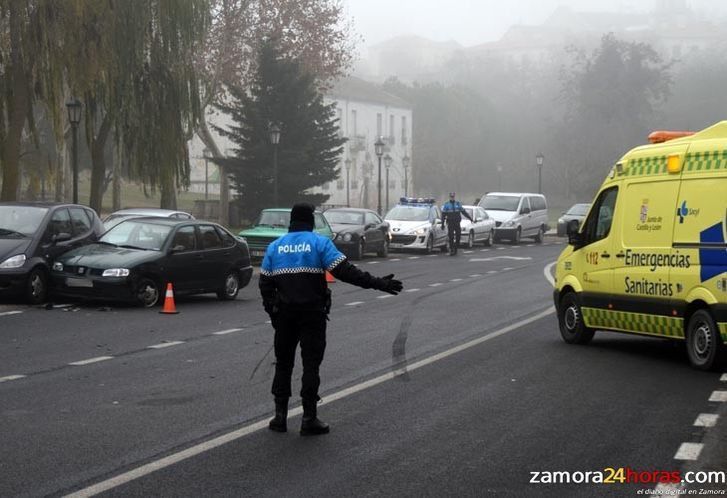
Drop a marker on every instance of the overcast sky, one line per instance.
(471, 22)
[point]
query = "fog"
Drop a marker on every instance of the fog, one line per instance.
(581, 82)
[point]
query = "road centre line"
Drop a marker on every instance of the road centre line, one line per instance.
(415, 257)
(395, 259)
(706, 420)
(225, 332)
(491, 272)
(206, 446)
(384, 296)
(373, 262)
(165, 345)
(435, 284)
(355, 303)
(8, 313)
(507, 269)
(456, 280)
(467, 252)
(8, 378)
(718, 396)
(689, 451)
(91, 360)
(475, 275)
(412, 290)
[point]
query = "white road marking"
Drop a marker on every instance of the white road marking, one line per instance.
(706, 420)
(484, 250)
(436, 284)
(166, 345)
(8, 313)
(475, 275)
(91, 360)
(500, 248)
(206, 446)
(456, 280)
(8, 378)
(723, 378)
(412, 290)
(395, 259)
(719, 396)
(385, 296)
(495, 258)
(507, 269)
(548, 274)
(415, 257)
(689, 451)
(229, 331)
(56, 306)
(467, 252)
(491, 272)
(373, 262)
(355, 303)
(530, 245)
(430, 256)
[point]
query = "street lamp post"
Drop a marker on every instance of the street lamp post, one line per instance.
(405, 162)
(387, 162)
(499, 177)
(379, 149)
(274, 140)
(207, 156)
(347, 162)
(539, 160)
(74, 117)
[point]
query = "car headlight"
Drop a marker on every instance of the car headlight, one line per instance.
(14, 262)
(509, 224)
(347, 237)
(421, 231)
(561, 220)
(57, 266)
(335, 235)
(116, 272)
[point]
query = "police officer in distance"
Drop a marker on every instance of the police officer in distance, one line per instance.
(452, 212)
(296, 296)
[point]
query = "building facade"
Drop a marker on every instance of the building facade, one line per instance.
(364, 113)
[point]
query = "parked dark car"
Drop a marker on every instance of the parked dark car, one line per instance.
(358, 231)
(124, 214)
(135, 260)
(576, 212)
(32, 234)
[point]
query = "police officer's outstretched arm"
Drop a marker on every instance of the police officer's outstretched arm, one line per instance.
(335, 262)
(465, 213)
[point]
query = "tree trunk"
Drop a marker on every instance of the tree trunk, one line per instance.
(169, 194)
(116, 182)
(98, 164)
(16, 112)
(204, 134)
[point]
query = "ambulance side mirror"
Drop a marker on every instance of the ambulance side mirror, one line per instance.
(575, 238)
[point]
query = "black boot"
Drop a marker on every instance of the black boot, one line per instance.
(311, 425)
(280, 422)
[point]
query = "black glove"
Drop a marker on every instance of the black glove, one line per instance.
(390, 284)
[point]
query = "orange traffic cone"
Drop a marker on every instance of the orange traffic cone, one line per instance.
(329, 278)
(169, 307)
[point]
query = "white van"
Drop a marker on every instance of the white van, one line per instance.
(517, 215)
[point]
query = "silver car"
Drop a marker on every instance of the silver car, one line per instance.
(517, 215)
(124, 214)
(481, 230)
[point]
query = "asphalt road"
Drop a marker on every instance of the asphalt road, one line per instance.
(90, 393)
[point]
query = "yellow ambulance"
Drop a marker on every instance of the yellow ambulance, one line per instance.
(651, 258)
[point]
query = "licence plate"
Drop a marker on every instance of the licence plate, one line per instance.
(395, 246)
(256, 252)
(78, 282)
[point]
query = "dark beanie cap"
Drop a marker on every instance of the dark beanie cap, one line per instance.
(302, 213)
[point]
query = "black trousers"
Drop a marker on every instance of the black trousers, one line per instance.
(454, 231)
(309, 329)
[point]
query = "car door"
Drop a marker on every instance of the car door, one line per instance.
(184, 265)
(480, 223)
(217, 259)
(435, 218)
(59, 223)
(372, 231)
(82, 226)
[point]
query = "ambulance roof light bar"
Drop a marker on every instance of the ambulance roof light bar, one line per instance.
(661, 136)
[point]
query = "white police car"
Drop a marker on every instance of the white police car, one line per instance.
(415, 223)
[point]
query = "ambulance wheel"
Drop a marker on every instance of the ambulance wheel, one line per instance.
(704, 345)
(570, 320)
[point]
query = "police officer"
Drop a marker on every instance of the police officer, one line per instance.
(452, 212)
(296, 296)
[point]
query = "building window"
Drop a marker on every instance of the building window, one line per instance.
(391, 129)
(354, 124)
(354, 184)
(404, 139)
(379, 124)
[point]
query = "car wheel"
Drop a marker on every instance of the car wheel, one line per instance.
(470, 240)
(147, 292)
(518, 236)
(570, 320)
(704, 346)
(539, 236)
(384, 251)
(36, 291)
(430, 245)
(230, 287)
(488, 240)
